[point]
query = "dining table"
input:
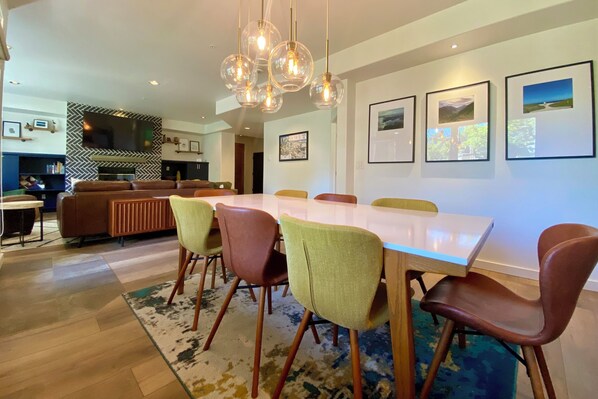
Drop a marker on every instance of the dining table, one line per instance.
(441, 243)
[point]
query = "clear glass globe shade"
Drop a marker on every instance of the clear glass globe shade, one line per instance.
(248, 96)
(326, 91)
(270, 99)
(258, 39)
(291, 66)
(235, 70)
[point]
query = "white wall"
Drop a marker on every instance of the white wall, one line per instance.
(313, 175)
(24, 109)
(523, 196)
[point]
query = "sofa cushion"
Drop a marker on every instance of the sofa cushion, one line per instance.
(193, 184)
(100, 185)
(152, 184)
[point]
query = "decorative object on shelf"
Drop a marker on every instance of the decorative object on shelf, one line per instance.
(291, 65)
(550, 113)
(194, 146)
(41, 124)
(391, 132)
(237, 70)
(11, 129)
(169, 140)
(183, 144)
(293, 147)
(326, 91)
(457, 123)
(259, 38)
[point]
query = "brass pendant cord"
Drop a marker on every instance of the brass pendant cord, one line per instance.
(327, 41)
(239, 31)
(291, 25)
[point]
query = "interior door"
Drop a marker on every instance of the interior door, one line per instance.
(258, 172)
(240, 167)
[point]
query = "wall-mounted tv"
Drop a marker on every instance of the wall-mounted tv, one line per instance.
(116, 133)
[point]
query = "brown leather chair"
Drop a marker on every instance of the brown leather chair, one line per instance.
(248, 237)
(567, 254)
(346, 198)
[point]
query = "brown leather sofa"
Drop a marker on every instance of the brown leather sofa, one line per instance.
(85, 211)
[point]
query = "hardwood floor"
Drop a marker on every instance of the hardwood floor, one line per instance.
(66, 332)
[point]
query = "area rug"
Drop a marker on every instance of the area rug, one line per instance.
(483, 370)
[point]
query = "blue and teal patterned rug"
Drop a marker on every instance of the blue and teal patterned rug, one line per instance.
(483, 370)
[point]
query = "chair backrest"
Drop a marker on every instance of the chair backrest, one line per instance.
(248, 237)
(568, 254)
(193, 222)
(213, 192)
(406, 203)
(347, 198)
(292, 193)
(334, 271)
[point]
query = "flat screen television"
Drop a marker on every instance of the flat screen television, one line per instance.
(116, 133)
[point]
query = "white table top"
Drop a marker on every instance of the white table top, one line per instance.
(21, 205)
(442, 236)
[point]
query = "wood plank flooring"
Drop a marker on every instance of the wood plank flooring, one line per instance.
(66, 332)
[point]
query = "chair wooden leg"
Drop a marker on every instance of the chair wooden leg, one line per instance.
(292, 353)
(218, 320)
(179, 281)
(422, 285)
(461, 336)
(193, 265)
(200, 293)
(258, 342)
(334, 334)
(223, 270)
(534, 373)
(544, 371)
(285, 291)
(252, 294)
(439, 354)
(355, 366)
(182, 264)
(269, 300)
(213, 285)
(314, 331)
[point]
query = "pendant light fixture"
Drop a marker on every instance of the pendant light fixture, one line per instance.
(248, 96)
(270, 98)
(290, 65)
(326, 91)
(258, 39)
(238, 70)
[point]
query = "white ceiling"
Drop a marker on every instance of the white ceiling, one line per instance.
(104, 52)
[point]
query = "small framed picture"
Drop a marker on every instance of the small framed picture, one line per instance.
(183, 144)
(11, 129)
(293, 147)
(41, 123)
(194, 146)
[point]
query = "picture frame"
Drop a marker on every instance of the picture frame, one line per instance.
(41, 124)
(458, 124)
(11, 129)
(550, 113)
(184, 145)
(194, 146)
(293, 146)
(391, 131)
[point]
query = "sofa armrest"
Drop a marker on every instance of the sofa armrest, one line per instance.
(66, 215)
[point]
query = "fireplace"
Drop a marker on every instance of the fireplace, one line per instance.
(115, 173)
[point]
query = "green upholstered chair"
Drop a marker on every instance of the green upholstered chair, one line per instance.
(194, 230)
(323, 262)
(412, 205)
(291, 193)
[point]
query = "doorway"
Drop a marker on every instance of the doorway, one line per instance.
(258, 172)
(240, 167)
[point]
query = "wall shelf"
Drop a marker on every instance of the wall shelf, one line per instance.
(23, 139)
(51, 127)
(188, 152)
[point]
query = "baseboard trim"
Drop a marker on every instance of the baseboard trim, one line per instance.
(591, 285)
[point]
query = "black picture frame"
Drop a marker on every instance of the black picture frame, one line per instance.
(391, 131)
(458, 124)
(549, 113)
(11, 129)
(293, 147)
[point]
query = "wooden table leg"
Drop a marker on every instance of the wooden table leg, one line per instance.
(398, 289)
(182, 258)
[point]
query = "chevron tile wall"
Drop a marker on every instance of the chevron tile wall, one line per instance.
(78, 162)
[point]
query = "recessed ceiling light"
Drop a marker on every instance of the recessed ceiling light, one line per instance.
(14, 82)
(154, 82)
(454, 45)
(203, 117)
(247, 128)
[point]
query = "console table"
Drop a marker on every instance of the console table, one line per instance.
(22, 206)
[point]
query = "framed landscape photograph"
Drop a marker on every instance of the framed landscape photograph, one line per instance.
(293, 147)
(391, 133)
(194, 146)
(550, 113)
(11, 129)
(458, 124)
